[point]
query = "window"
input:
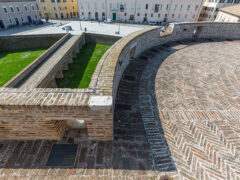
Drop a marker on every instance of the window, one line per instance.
(73, 7)
(138, 14)
(196, 7)
(25, 7)
(103, 6)
(110, 5)
(44, 8)
(53, 1)
(145, 15)
(81, 5)
(36, 17)
(188, 8)
(156, 8)
(64, 1)
(160, 6)
(12, 9)
(165, 15)
(5, 10)
(122, 7)
(88, 5)
(54, 8)
(18, 9)
(59, 1)
(96, 6)
(42, 1)
(65, 8)
(167, 7)
(139, 6)
(146, 6)
(151, 15)
(172, 15)
(181, 7)
(33, 7)
(175, 7)
(159, 15)
(125, 14)
(22, 19)
(60, 8)
(132, 6)
(10, 21)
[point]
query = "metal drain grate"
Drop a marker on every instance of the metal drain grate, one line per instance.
(123, 106)
(143, 58)
(129, 78)
(62, 155)
(154, 50)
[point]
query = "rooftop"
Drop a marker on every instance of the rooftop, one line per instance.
(233, 10)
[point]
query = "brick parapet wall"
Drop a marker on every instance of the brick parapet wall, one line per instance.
(119, 57)
(43, 113)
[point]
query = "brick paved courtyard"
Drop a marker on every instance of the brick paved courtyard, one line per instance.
(176, 116)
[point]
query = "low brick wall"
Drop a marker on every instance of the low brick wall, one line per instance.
(133, 45)
(43, 113)
(19, 42)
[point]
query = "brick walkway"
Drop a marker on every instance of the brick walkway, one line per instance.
(191, 90)
(176, 116)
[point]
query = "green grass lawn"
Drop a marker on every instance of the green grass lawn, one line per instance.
(81, 70)
(12, 62)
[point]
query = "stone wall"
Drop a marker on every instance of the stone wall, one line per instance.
(101, 38)
(19, 42)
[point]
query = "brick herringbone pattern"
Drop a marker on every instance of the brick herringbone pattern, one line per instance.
(192, 89)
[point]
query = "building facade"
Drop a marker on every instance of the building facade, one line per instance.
(229, 14)
(140, 11)
(55, 9)
(211, 8)
(18, 12)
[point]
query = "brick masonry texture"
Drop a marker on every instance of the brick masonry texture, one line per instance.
(189, 101)
(175, 114)
(107, 75)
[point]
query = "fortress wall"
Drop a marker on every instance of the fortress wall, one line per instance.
(20, 42)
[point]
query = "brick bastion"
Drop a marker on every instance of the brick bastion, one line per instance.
(46, 113)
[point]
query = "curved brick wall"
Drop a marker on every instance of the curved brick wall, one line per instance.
(134, 44)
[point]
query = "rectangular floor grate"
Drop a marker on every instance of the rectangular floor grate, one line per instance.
(123, 106)
(62, 155)
(129, 78)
